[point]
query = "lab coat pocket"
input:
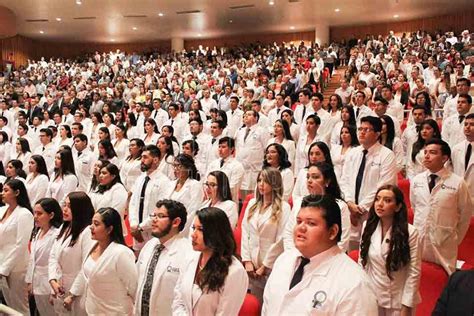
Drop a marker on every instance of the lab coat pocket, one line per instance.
(442, 236)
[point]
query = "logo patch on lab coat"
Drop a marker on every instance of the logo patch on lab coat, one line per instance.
(172, 269)
(318, 299)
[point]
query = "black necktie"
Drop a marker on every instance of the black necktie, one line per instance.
(418, 128)
(172, 122)
(357, 111)
(432, 183)
(299, 272)
(360, 176)
(278, 111)
(213, 141)
(461, 118)
(142, 199)
(79, 153)
(156, 112)
(468, 156)
(247, 132)
(222, 162)
(146, 293)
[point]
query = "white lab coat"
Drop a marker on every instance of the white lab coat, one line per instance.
(152, 140)
(338, 159)
(121, 149)
(404, 285)
(250, 153)
(201, 158)
(452, 131)
(226, 302)
(36, 187)
(60, 187)
(166, 166)
(261, 235)
(301, 158)
(172, 262)
(332, 284)
(83, 166)
(48, 154)
(458, 156)
(290, 147)
(229, 207)
(288, 240)
(234, 171)
(442, 217)
(129, 172)
(116, 197)
(234, 121)
(110, 288)
(300, 190)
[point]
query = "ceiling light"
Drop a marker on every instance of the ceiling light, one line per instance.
(79, 2)
(199, 35)
(271, 2)
(58, 19)
(292, 27)
(41, 32)
(396, 16)
(230, 21)
(112, 40)
(134, 28)
(337, 10)
(160, 14)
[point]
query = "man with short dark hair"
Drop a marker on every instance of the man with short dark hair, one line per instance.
(83, 161)
(202, 140)
(217, 128)
(442, 207)
(452, 126)
(162, 259)
(317, 277)
(46, 149)
(463, 85)
(463, 155)
(234, 116)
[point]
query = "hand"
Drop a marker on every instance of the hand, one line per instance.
(29, 291)
(68, 302)
(249, 268)
(51, 300)
(261, 272)
(138, 236)
(57, 288)
(405, 311)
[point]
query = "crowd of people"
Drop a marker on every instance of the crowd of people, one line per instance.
(162, 149)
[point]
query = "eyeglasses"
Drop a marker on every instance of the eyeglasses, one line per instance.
(365, 129)
(212, 185)
(158, 216)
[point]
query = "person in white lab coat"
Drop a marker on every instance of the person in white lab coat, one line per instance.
(14, 170)
(317, 277)
(390, 253)
(282, 136)
(186, 188)
(68, 253)
(162, 259)
(320, 180)
(121, 143)
(262, 229)
(64, 180)
(108, 278)
(214, 282)
(366, 169)
(83, 162)
(277, 157)
(452, 126)
(463, 155)
(46, 149)
(219, 194)
(305, 141)
(442, 207)
(392, 142)
(166, 146)
(130, 168)
(38, 179)
(151, 134)
(22, 152)
(347, 119)
(348, 141)
(48, 218)
(16, 224)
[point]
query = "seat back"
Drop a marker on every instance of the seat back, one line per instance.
(250, 307)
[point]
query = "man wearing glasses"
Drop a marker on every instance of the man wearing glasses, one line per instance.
(367, 167)
(162, 259)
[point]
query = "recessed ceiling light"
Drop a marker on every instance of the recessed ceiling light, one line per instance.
(112, 40)
(271, 2)
(230, 21)
(58, 19)
(292, 27)
(337, 10)
(199, 35)
(396, 16)
(134, 28)
(160, 14)
(41, 32)
(78, 1)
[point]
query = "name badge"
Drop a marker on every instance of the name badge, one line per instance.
(172, 269)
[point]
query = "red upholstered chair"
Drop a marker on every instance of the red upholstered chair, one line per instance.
(128, 238)
(354, 254)
(238, 238)
(404, 185)
(250, 307)
(432, 282)
(238, 229)
(466, 248)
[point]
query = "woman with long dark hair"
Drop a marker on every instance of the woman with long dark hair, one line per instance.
(287, 115)
(121, 143)
(348, 141)
(347, 119)
(108, 271)
(133, 131)
(5, 148)
(64, 136)
(37, 180)
(392, 142)
(130, 168)
(218, 194)
(107, 151)
(428, 129)
(262, 229)
(23, 152)
(48, 218)
(306, 140)
(390, 255)
(151, 134)
(14, 170)
(277, 157)
(317, 152)
(165, 144)
(16, 225)
(282, 136)
(186, 188)
(64, 180)
(168, 131)
(96, 124)
(109, 123)
(98, 165)
(68, 253)
(214, 282)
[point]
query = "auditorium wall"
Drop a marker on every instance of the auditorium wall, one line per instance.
(456, 22)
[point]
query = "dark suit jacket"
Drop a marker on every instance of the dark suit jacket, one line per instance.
(37, 111)
(458, 295)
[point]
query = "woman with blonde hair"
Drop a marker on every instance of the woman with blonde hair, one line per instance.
(262, 228)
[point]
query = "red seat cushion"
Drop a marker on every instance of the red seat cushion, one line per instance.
(250, 307)
(432, 282)
(466, 248)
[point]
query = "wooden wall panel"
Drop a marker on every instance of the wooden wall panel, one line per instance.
(456, 22)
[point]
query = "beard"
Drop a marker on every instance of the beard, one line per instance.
(162, 233)
(144, 167)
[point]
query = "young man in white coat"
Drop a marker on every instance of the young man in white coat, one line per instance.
(162, 259)
(83, 162)
(317, 277)
(367, 167)
(452, 126)
(463, 156)
(442, 207)
(149, 188)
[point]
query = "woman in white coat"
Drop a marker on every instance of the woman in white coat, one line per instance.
(389, 140)
(16, 224)
(5, 148)
(218, 194)
(121, 143)
(23, 152)
(14, 170)
(282, 136)
(348, 141)
(165, 144)
(390, 255)
(277, 157)
(262, 228)
(321, 180)
(37, 180)
(69, 250)
(130, 169)
(214, 283)
(108, 276)
(305, 141)
(48, 218)
(110, 192)
(151, 135)
(186, 188)
(64, 180)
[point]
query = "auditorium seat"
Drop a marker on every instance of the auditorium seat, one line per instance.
(238, 230)
(250, 307)
(466, 248)
(128, 238)
(404, 186)
(432, 282)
